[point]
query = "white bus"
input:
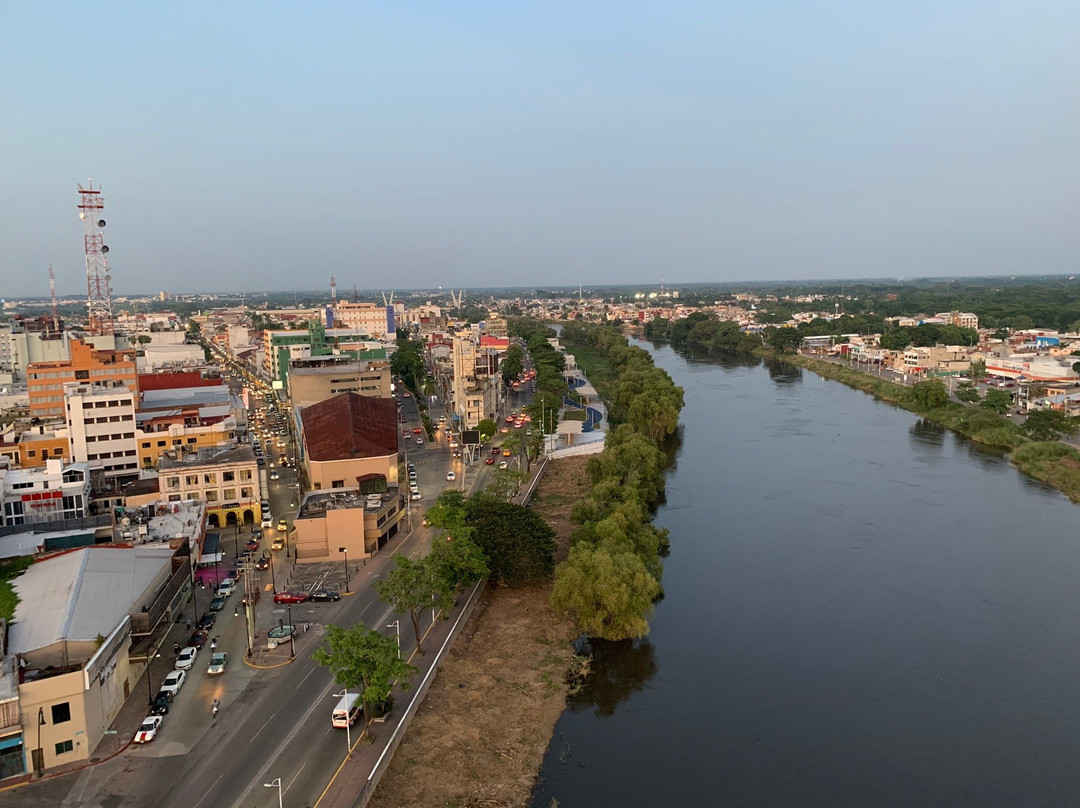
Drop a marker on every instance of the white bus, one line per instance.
(347, 711)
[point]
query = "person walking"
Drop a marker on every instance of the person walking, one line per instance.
(176, 648)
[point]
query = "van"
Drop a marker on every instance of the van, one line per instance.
(348, 709)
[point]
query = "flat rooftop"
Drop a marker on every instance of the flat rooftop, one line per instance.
(209, 455)
(317, 503)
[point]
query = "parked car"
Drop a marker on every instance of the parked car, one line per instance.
(324, 596)
(147, 731)
(186, 658)
(161, 703)
(415, 496)
(218, 661)
(226, 587)
(267, 520)
(217, 604)
(253, 542)
(290, 597)
(206, 622)
(174, 681)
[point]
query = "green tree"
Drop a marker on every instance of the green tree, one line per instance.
(1048, 425)
(997, 401)
(518, 544)
(505, 484)
(783, 340)
(967, 393)
(458, 560)
(928, 395)
(512, 364)
(610, 595)
(978, 370)
(413, 586)
(488, 429)
(363, 660)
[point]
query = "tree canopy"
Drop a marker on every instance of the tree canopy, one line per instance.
(362, 660)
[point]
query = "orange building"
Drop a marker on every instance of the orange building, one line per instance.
(87, 364)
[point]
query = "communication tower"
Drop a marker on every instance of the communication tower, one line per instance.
(52, 293)
(333, 290)
(98, 279)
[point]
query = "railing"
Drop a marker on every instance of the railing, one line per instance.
(143, 622)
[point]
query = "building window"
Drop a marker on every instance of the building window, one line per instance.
(61, 713)
(174, 497)
(228, 476)
(160, 443)
(245, 474)
(192, 440)
(64, 747)
(172, 482)
(337, 484)
(191, 480)
(32, 453)
(209, 479)
(228, 494)
(210, 496)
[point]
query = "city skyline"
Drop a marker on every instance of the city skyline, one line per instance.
(539, 147)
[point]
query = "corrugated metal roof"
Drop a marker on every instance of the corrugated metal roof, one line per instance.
(81, 594)
(348, 426)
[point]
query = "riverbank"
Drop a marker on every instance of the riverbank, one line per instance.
(1051, 462)
(480, 736)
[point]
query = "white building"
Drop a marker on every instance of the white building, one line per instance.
(366, 318)
(39, 495)
(101, 427)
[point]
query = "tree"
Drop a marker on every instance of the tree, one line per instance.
(1048, 425)
(928, 395)
(997, 401)
(978, 370)
(967, 393)
(363, 660)
(505, 484)
(459, 560)
(518, 544)
(488, 429)
(512, 365)
(610, 595)
(413, 586)
(1076, 367)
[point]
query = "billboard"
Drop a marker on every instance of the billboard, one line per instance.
(470, 436)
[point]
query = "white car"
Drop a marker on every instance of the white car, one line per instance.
(173, 682)
(226, 587)
(148, 730)
(415, 496)
(186, 658)
(451, 476)
(217, 663)
(267, 521)
(503, 464)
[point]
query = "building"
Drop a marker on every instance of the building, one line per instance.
(936, 360)
(40, 444)
(347, 437)
(317, 378)
(185, 410)
(365, 318)
(86, 364)
(964, 319)
(280, 348)
(226, 477)
(347, 522)
(77, 617)
(101, 426)
(474, 394)
(25, 342)
(39, 496)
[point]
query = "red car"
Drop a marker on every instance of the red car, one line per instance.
(490, 461)
(290, 597)
(417, 431)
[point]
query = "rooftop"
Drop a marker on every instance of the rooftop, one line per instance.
(209, 456)
(317, 503)
(349, 426)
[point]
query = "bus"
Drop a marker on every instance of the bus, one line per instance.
(347, 710)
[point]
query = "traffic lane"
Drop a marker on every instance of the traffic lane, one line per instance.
(297, 689)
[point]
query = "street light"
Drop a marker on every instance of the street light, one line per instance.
(292, 634)
(345, 550)
(275, 783)
(397, 625)
(348, 720)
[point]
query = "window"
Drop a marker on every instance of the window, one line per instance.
(61, 713)
(191, 480)
(228, 476)
(246, 492)
(146, 444)
(192, 440)
(228, 494)
(209, 479)
(172, 482)
(337, 484)
(64, 746)
(174, 497)
(32, 453)
(210, 496)
(161, 443)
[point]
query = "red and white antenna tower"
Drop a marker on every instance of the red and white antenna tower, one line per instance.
(98, 279)
(52, 292)
(333, 290)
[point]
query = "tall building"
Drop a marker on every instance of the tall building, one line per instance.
(86, 364)
(101, 427)
(474, 397)
(317, 378)
(367, 318)
(27, 341)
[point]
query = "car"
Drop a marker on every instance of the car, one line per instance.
(284, 461)
(260, 461)
(263, 563)
(253, 542)
(528, 432)
(324, 596)
(517, 424)
(160, 705)
(450, 476)
(147, 731)
(490, 461)
(417, 431)
(282, 525)
(290, 597)
(495, 450)
(504, 429)
(419, 441)
(217, 603)
(274, 475)
(405, 433)
(442, 418)
(186, 658)
(264, 504)
(218, 661)
(226, 587)
(503, 464)
(267, 520)
(407, 394)
(281, 444)
(506, 452)
(206, 622)
(415, 496)
(426, 522)
(174, 681)
(277, 544)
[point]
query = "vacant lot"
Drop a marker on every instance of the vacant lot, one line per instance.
(480, 736)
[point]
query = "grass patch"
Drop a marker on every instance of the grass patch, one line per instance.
(1053, 463)
(594, 365)
(573, 415)
(10, 569)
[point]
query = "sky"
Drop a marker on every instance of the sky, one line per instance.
(268, 146)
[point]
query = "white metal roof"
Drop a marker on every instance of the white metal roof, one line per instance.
(81, 594)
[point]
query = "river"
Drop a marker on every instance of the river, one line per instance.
(861, 609)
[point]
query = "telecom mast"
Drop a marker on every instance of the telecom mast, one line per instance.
(98, 279)
(52, 292)
(333, 290)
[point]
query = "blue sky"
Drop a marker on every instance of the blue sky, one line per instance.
(401, 145)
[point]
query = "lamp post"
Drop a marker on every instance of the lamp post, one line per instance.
(292, 634)
(345, 550)
(149, 690)
(194, 598)
(348, 722)
(397, 625)
(273, 579)
(275, 783)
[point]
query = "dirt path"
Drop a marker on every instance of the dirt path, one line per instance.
(481, 733)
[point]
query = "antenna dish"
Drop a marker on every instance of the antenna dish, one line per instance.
(101, 223)
(104, 248)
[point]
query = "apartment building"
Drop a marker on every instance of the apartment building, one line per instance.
(87, 364)
(101, 426)
(41, 495)
(40, 444)
(317, 378)
(226, 477)
(366, 318)
(25, 342)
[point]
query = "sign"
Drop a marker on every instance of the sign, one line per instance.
(470, 436)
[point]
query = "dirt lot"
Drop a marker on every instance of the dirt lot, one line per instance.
(480, 736)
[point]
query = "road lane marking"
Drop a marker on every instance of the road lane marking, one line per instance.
(256, 735)
(207, 794)
(305, 678)
(302, 765)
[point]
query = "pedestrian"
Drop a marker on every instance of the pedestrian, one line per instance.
(175, 648)
(187, 623)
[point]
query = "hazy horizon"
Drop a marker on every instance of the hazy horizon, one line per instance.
(410, 147)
